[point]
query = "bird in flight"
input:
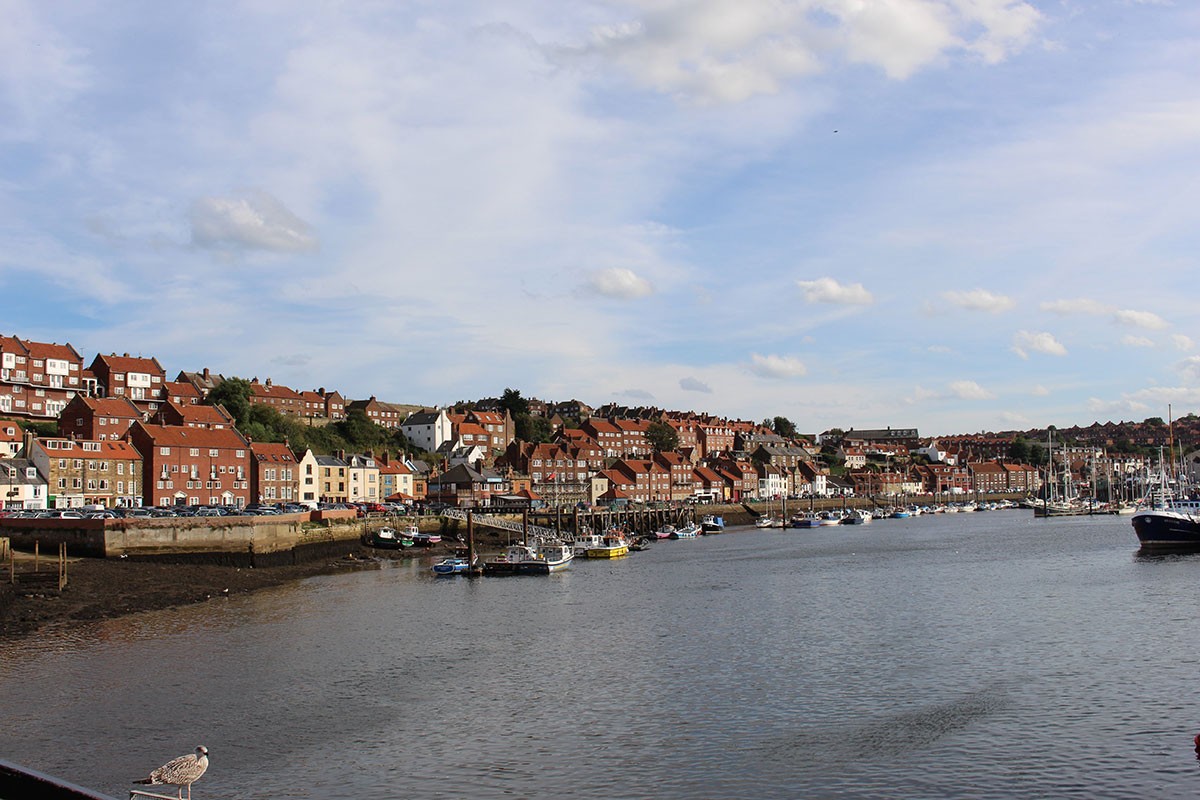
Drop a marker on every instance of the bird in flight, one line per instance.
(180, 772)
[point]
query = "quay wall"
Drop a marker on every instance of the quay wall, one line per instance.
(242, 541)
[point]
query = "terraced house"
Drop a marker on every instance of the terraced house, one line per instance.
(37, 379)
(81, 472)
(275, 477)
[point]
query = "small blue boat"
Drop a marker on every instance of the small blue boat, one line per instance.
(451, 566)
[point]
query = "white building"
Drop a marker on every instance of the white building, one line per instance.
(428, 430)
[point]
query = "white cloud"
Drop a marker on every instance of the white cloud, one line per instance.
(1079, 305)
(254, 221)
(620, 283)
(1140, 319)
(718, 51)
(690, 384)
(1038, 342)
(1039, 391)
(1190, 368)
(1015, 419)
(774, 366)
(1137, 341)
(828, 290)
(969, 390)
(1182, 342)
(979, 300)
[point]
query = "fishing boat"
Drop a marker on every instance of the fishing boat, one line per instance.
(612, 545)
(535, 558)
(856, 516)
(665, 531)
(453, 565)
(710, 523)
(810, 519)
(829, 518)
(688, 531)
(386, 538)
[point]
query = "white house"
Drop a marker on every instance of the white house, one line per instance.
(428, 430)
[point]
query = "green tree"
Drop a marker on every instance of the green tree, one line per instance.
(1037, 455)
(1018, 451)
(533, 429)
(234, 394)
(784, 427)
(512, 402)
(662, 437)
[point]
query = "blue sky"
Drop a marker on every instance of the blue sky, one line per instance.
(959, 215)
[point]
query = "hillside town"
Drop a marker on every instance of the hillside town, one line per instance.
(119, 432)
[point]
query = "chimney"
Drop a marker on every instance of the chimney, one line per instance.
(206, 373)
(385, 458)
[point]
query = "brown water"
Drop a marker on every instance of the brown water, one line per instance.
(985, 655)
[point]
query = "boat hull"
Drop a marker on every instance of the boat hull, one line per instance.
(1166, 528)
(608, 552)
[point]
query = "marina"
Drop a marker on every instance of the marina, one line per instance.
(907, 658)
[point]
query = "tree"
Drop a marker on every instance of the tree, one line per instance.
(1037, 455)
(533, 429)
(662, 437)
(234, 394)
(512, 402)
(1018, 451)
(784, 427)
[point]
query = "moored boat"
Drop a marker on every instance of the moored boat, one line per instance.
(808, 520)
(536, 558)
(856, 516)
(688, 531)
(386, 538)
(1168, 521)
(453, 565)
(612, 545)
(710, 523)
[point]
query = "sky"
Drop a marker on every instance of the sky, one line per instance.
(954, 215)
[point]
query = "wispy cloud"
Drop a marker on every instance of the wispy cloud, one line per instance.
(969, 390)
(1182, 342)
(690, 384)
(620, 283)
(1137, 341)
(1189, 368)
(1140, 319)
(1078, 305)
(979, 300)
(774, 366)
(253, 221)
(828, 290)
(1037, 342)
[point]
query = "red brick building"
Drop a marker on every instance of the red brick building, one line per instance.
(37, 379)
(98, 418)
(192, 466)
(141, 380)
(275, 475)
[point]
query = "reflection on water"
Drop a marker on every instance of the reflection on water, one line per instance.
(983, 655)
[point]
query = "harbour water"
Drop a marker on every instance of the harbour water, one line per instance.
(986, 655)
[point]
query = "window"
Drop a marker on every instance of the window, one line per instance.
(214, 453)
(164, 451)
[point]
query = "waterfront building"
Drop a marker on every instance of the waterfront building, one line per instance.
(193, 466)
(332, 484)
(82, 472)
(362, 478)
(308, 472)
(283, 399)
(22, 484)
(275, 474)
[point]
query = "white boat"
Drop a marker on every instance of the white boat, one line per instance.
(688, 531)
(536, 558)
(711, 523)
(857, 516)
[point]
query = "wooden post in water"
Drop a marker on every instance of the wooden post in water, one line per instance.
(62, 565)
(525, 526)
(35, 555)
(470, 541)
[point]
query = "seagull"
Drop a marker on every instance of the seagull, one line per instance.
(180, 772)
